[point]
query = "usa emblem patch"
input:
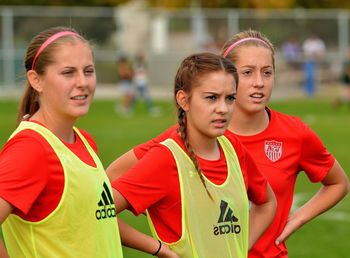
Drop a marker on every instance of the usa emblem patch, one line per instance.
(273, 150)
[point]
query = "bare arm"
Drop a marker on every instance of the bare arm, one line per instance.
(119, 166)
(5, 210)
(335, 187)
(261, 216)
(133, 238)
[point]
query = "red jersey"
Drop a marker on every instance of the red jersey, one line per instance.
(285, 148)
(31, 175)
(153, 183)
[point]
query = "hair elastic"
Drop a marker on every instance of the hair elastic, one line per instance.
(49, 41)
(229, 49)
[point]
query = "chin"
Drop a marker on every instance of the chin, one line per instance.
(81, 113)
(219, 132)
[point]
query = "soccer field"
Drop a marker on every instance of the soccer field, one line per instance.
(324, 237)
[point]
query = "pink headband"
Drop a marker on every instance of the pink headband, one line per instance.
(229, 49)
(49, 41)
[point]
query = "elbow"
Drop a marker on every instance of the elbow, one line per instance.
(346, 187)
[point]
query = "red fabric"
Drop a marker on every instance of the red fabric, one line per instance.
(31, 176)
(301, 150)
(155, 179)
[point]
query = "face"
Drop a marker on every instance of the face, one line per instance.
(256, 78)
(68, 85)
(210, 105)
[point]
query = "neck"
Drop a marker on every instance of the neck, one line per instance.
(247, 124)
(62, 129)
(204, 147)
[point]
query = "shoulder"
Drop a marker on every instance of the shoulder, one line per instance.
(28, 140)
(236, 143)
(89, 138)
(285, 121)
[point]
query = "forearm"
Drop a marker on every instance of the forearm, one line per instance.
(323, 200)
(261, 216)
(335, 187)
(3, 252)
(135, 239)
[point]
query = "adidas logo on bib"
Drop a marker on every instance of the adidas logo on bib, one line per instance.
(106, 205)
(227, 222)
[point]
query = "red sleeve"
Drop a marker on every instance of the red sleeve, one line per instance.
(316, 160)
(20, 159)
(150, 180)
(255, 181)
(143, 148)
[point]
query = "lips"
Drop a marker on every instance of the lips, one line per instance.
(220, 122)
(79, 97)
(257, 95)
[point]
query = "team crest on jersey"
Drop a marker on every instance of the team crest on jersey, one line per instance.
(273, 150)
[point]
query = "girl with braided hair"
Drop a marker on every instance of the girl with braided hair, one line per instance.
(196, 184)
(282, 145)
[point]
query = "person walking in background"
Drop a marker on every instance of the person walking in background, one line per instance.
(195, 185)
(141, 82)
(127, 89)
(314, 49)
(344, 98)
(292, 53)
(55, 198)
(282, 145)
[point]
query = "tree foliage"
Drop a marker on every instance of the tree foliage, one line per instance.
(256, 4)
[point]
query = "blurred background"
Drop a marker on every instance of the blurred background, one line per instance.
(166, 31)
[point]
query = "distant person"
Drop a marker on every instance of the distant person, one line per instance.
(344, 98)
(292, 53)
(127, 89)
(141, 81)
(314, 49)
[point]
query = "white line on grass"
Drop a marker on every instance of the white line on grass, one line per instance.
(332, 214)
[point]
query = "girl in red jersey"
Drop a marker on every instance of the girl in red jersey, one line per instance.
(55, 197)
(195, 184)
(281, 145)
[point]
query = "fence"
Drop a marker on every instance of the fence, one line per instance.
(166, 36)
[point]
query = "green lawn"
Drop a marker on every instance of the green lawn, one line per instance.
(325, 237)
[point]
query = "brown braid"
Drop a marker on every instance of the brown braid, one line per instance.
(188, 76)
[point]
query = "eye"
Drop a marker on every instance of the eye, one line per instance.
(246, 72)
(89, 71)
(231, 98)
(268, 73)
(211, 97)
(67, 72)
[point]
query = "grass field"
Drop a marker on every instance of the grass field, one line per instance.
(324, 237)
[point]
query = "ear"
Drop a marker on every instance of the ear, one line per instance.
(182, 100)
(34, 80)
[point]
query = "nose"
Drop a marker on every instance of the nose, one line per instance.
(81, 80)
(222, 107)
(259, 80)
